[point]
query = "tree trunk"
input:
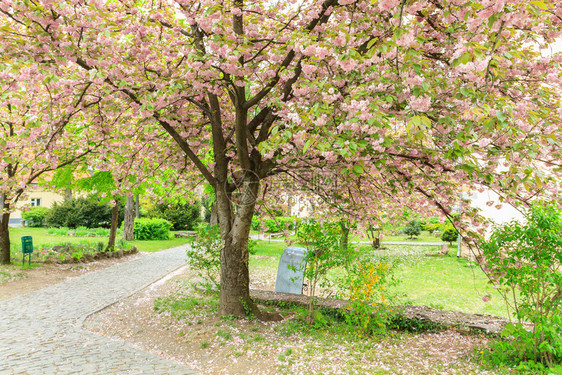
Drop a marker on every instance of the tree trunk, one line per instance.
(4, 231)
(4, 239)
(345, 228)
(375, 238)
(113, 230)
(137, 206)
(235, 231)
(67, 194)
(129, 220)
(214, 218)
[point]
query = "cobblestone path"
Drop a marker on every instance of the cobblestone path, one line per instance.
(40, 332)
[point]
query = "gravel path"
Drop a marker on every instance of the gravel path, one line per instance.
(41, 332)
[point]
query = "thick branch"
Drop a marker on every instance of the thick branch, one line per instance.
(185, 148)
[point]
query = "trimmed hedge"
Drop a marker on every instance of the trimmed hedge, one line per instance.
(450, 234)
(35, 217)
(152, 229)
(81, 212)
(182, 216)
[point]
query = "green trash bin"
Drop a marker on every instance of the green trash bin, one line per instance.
(26, 248)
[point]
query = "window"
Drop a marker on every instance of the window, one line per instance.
(35, 202)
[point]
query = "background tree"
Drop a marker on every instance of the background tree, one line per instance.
(412, 229)
(41, 130)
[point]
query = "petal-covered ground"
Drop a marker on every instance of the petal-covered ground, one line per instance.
(184, 328)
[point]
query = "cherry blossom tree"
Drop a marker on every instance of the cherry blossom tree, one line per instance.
(40, 131)
(420, 96)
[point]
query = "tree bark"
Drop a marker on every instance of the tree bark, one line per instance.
(235, 231)
(129, 220)
(214, 218)
(113, 230)
(4, 231)
(137, 206)
(67, 194)
(345, 228)
(4, 239)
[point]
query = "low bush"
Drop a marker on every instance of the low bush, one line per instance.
(256, 223)
(450, 234)
(35, 216)
(62, 231)
(67, 252)
(523, 262)
(81, 212)
(204, 255)
(183, 216)
(431, 224)
(412, 229)
(279, 224)
(80, 232)
(367, 287)
(152, 229)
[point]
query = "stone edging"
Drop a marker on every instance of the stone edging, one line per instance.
(477, 322)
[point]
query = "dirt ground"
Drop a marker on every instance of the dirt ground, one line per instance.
(193, 335)
(212, 345)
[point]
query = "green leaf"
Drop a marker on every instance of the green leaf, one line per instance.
(307, 145)
(500, 116)
(540, 4)
(358, 169)
(466, 58)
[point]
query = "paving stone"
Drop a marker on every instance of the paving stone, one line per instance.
(40, 332)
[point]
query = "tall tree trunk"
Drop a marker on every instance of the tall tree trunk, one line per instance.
(345, 228)
(4, 231)
(137, 206)
(214, 217)
(67, 194)
(113, 230)
(129, 220)
(235, 231)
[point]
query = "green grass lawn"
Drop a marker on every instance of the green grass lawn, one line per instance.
(447, 283)
(41, 238)
(423, 237)
(442, 282)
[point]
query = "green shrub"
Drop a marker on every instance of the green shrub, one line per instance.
(256, 223)
(412, 229)
(62, 231)
(431, 227)
(324, 253)
(450, 234)
(204, 255)
(279, 224)
(431, 224)
(366, 286)
(35, 217)
(101, 231)
(81, 231)
(152, 229)
(81, 212)
(523, 261)
(183, 216)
